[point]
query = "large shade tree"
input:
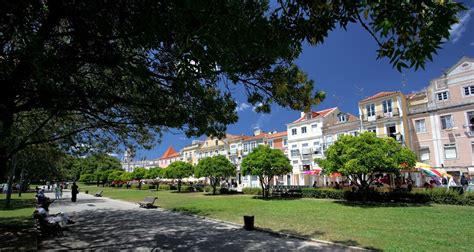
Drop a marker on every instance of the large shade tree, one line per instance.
(265, 163)
(104, 73)
(215, 168)
(361, 158)
(178, 170)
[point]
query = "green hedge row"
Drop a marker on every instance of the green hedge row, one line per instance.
(252, 190)
(436, 195)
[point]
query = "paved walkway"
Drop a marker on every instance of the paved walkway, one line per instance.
(103, 223)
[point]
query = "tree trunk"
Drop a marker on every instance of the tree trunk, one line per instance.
(214, 185)
(21, 181)
(10, 183)
(179, 185)
(263, 186)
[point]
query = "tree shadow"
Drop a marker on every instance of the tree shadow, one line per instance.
(368, 204)
(192, 211)
(164, 230)
(16, 204)
(275, 198)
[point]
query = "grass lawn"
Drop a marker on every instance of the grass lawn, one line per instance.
(380, 226)
(16, 223)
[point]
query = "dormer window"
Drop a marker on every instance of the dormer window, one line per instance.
(342, 117)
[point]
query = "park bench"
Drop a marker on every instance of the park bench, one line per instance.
(46, 228)
(148, 202)
(98, 194)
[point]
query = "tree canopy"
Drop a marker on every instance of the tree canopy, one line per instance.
(104, 73)
(178, 170)
(266, 163)
(361, 157)
(215, 168)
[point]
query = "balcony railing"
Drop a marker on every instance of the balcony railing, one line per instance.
(380, 114)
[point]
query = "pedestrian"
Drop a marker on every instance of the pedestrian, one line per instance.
(464, 182)
(74, 192)
(57, 191)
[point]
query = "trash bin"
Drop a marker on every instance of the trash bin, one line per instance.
(249, 222)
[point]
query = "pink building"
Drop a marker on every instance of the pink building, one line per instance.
(170, 156)
(441, 119)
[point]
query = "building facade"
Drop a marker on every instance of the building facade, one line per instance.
(305, 142)
(442, 119)
(386, 114)
(170, 156)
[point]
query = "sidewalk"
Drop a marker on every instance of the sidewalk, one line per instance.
(103, 223)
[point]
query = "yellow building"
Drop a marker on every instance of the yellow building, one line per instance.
(385, 114)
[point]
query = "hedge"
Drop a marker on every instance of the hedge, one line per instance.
(252, 190)
(436, 195)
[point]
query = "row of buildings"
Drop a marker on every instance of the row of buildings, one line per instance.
(437, 123)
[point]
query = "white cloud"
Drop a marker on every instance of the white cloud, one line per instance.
(256, 106)
(262, 120)
(458, 29)
(243, 106)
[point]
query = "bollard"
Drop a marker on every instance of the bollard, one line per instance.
(249, 222)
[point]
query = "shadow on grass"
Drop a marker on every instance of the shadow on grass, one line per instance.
(17, 222)
(16, 204)
(276, 198)
(378, 204)
(223, 194)
(191, 211)
(354, 243)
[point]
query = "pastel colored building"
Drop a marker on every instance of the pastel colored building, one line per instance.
(189, 153)
(170, 156)
(385, 114)
(441, 121)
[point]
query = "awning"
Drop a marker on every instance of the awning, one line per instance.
(313, 171)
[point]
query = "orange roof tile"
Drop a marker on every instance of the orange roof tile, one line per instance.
(379, 95)
(321, 113)
(278, 134)
(169, 153)
(259, 136)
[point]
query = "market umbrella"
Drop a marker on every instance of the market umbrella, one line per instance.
(430, 172)
(313, 172)
(422, 165)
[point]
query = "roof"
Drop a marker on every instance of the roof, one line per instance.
(278, 134)
(379, 95)
(317, 114)
(462, 60)
(416, 95)
(259, 136)
(169, 153)
(351, 117)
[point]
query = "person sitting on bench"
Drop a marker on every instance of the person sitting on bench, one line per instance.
(60, 218)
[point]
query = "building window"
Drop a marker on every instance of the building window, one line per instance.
(303, 130)
(424, 154)
(246, 147)
(270, 143)
(469, 90)
(447, 122)
(450, 151)
(295, 153)
(314, 127)
(420, 126)
(342, 117)
(329, 140)
(253, 145)
(387, 106)
(293, 132)
(295, 162)
(370, 109)
(470, 120)
(304, 145)
(442, 96)
(285, 142)
(232, 146)
(372, 129)
(217, 142)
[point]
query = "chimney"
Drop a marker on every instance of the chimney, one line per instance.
(302, 114)
(257, 131)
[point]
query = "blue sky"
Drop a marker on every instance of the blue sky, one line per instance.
(346, 68)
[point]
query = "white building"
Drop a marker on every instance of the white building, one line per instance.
(305, 142)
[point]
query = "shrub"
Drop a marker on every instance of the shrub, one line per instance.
(252, 190)
(164, 187)
(208, 189)
(323, 193)
(173, 187)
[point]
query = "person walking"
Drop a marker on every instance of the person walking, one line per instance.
(57, 191)
(464, 183)
(74, 192)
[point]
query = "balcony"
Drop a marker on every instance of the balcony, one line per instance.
(379, 114)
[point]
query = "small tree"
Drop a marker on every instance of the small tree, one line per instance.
(139, 173)
(156, 174)
(115, 175)
(266, 163)
(362, 157)
(126, 176)
(215, 168)
(178, 170)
